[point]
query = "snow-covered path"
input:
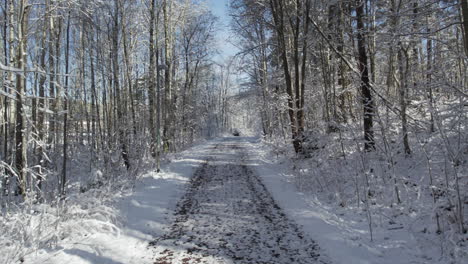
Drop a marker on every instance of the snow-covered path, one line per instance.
(228, 216)
(226, 200)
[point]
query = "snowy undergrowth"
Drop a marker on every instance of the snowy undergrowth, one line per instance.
(392, 198)
(31, 227)
(108, 215)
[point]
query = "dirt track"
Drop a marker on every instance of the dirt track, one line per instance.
(228, 216)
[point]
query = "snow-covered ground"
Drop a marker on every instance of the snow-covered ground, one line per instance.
(228, 216)
(121, 229)
(134, 218)
(344, 232)
(345, 240)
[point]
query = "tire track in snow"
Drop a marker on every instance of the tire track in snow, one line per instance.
(228, 216)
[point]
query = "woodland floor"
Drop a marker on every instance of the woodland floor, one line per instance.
(227, 215)
(225, 200)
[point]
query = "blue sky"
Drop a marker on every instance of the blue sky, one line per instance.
(219, 9)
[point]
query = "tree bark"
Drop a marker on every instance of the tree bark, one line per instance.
(367, 100)
(42, 107)
(403, 60)
(429, 81)
(65, 109)
(151, 77)
(168, 96)
(21, 129)
(9, 60)
(116, 82)
(464, 9)
(300, 111)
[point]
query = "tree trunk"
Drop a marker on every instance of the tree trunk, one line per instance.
(464, 9)
(168, 97)
(95, 118)
(151, 78)
(403, 65)
(9, 60)
(65, 110)
(158, 115)
(21, 129)
(429, 81)
(42, 107)
(367, 101)
(54, 54)
(116, 82)
(300, 111)
(129, 78)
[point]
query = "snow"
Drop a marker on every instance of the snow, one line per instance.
(119, 230)
(139, 216)
(227, 216)
(344, 234)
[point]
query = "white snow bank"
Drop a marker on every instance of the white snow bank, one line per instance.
(342, 233)
(133, 220)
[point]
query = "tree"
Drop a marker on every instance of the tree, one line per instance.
(65, 108)
(151, 77)
(20, 127)
(82, 70)
(464, 9)
(169, 99)
(294, 97)
(366, 95)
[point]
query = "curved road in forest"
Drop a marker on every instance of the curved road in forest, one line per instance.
(228, 216)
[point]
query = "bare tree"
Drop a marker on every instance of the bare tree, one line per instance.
(20, 127)
(363, 67)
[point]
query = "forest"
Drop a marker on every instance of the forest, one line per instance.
(364, 102)
(108, 80)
